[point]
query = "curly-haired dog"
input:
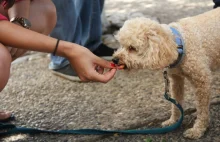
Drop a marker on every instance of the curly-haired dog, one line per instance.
(146, 44)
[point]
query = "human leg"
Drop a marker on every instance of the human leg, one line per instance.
(5, 64)
(42, 17)
(68, 28)
(92, 29)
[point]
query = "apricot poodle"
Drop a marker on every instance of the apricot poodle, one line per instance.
(146, 44)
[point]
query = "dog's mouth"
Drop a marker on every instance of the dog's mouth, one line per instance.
(118, 63)
(119, 66)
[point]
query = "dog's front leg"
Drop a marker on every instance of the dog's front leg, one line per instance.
(177, 91)
(201, 80)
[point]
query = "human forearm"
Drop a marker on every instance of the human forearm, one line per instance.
(18, 37)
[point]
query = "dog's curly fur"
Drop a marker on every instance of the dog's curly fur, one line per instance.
(146, 44)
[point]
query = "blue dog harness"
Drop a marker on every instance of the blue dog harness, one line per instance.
(9, 129)
(180, 47)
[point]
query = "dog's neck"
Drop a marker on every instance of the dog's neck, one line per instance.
(180, 44)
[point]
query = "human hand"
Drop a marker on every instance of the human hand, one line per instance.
(15, 52)
(88, 66)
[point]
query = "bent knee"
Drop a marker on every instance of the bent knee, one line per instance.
(51, 16)
(5, 64)
(43, 16)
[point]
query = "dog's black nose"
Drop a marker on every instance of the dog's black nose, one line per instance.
(115, 60)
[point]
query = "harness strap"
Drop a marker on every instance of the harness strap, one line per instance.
(180, 49)
(9, 129)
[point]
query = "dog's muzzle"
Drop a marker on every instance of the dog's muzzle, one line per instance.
(115, 61)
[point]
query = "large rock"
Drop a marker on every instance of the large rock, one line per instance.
(115, 21)
(112, 23)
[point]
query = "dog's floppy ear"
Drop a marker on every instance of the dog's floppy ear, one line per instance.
(161, 47)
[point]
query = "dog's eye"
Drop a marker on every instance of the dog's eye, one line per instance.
(131, 49)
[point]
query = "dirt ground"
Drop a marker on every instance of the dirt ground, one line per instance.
(132, 100)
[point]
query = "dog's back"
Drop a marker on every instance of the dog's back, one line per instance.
(202, 32)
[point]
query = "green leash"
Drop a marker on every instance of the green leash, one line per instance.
(9, 129)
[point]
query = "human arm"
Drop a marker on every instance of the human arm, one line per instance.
(81, 59)
(21, 8)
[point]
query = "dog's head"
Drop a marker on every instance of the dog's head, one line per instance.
(145, 44)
